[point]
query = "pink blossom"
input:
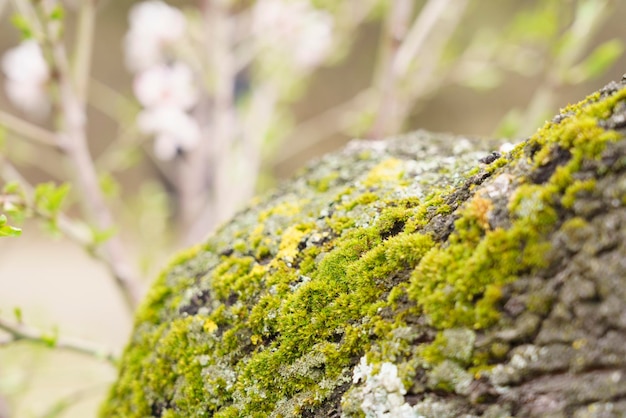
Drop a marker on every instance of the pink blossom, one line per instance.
(301, 30)
(27, 74)
(174, 130)
(154, 26)
(169, 86)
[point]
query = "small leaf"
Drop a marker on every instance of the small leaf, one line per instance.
(51, 339)
(22, 24)
(10, 231)
(7, 230)
(57, 13)
(49, 198)
(509, 125)
(16, 212)
(485, 78)
(109, 186)
(100, 236)
(51, 227)
(12, 187)
(602, 58)
(18, 314)
(539, 25)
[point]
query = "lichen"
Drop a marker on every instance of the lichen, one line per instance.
(374, 269)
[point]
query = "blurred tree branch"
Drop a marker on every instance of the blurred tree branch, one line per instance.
(20, 332)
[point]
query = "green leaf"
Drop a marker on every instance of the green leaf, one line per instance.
(100, 236)
(50, 340)
(7, 230)
(13, 187)
(22, 24)
(16, 212)
(51, 227)
(49, 198)
(57, 13)
(483, 79)
(539, 25)
(109, 186)
(10, 231)
(18, 314)
(509, 125)
(602, 58)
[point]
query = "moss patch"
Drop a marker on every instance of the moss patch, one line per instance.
(390, 252)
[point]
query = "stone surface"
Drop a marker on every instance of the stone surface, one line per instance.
(411, 277)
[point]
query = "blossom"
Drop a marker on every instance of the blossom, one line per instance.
(303, 31)
(166, 86)
(27, 74)
(315, 39)
(174, 130)
(154, 26)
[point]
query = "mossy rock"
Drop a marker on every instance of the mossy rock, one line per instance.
(411, 277)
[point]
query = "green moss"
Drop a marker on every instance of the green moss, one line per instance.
(305, 286)
(322, 185)
(574, 189)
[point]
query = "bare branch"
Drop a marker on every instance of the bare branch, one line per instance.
(219, 26)
(72, 115)
(20, 332)
(28, 131)
(386, 79)
(308, 133)
(83, 48)
(418, 33)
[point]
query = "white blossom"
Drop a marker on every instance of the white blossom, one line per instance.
(315, 39)
(293, 25)
(27, 74)
(154, 26)
(174, 130)
(166, 86)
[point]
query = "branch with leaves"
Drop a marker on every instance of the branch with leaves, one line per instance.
(42, 21)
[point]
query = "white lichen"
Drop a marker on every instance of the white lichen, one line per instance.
(381, 395)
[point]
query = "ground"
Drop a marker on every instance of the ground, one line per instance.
(424, 275)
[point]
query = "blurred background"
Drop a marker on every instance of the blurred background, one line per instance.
(192, 107)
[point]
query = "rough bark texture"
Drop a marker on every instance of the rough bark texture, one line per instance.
(405, 278)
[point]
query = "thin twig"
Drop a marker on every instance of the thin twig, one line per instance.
(417, 35)
(68, 401)
(430, 76)
(28, 131)
(20, 332)
(386, 79)
(110, 102)
(219, 25)
(73, 118)
(308, 133)
(83, 48)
